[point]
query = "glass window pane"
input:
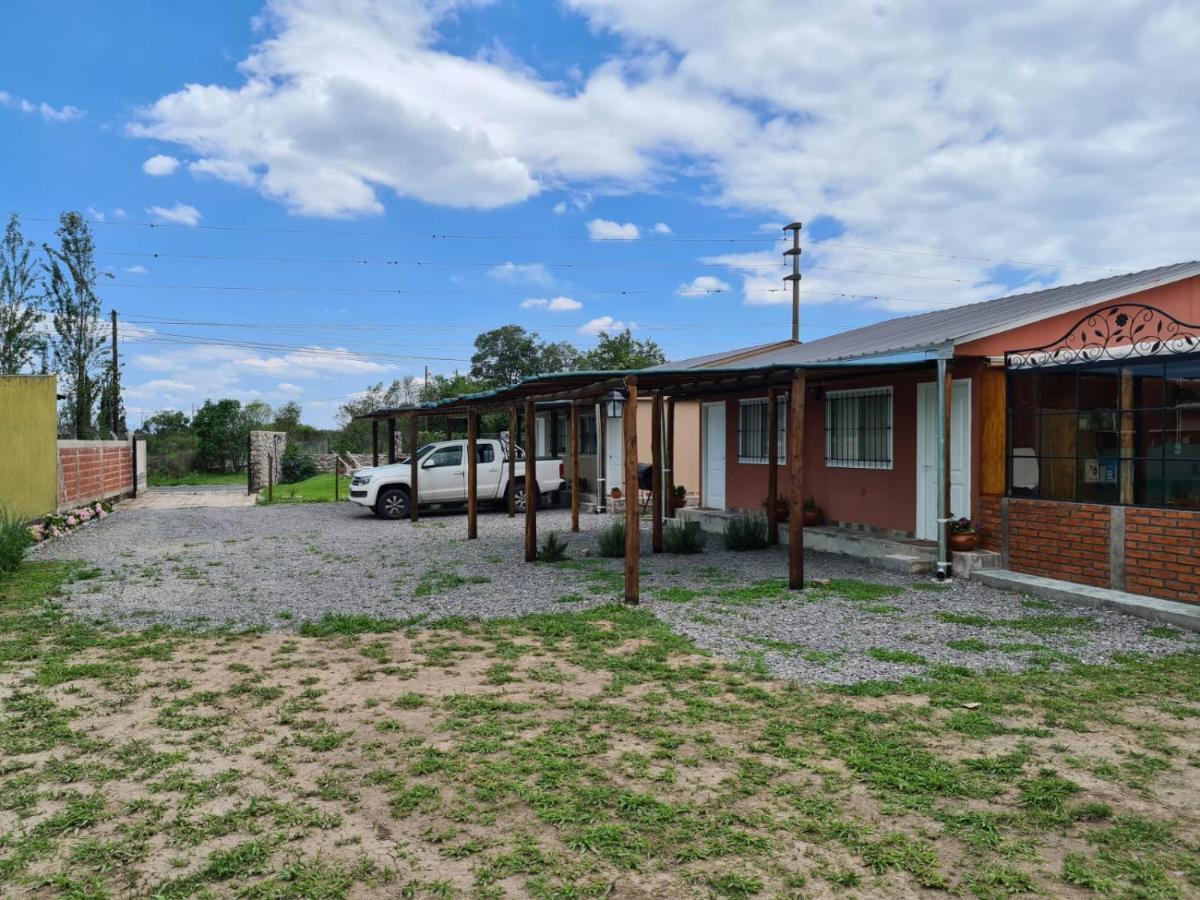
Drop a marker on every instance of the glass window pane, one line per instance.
(1099, 434)
(1058, 436)
(1100, 389)
(1023, 433)
(1183, 384)
(1058, 390)
(1023, 393)
(1181, 433)
(1148, 482)
(1148, 387)
(1024, 472)
(1058, 479)
(1181, 483)
(1096, 479)
(1149, 432)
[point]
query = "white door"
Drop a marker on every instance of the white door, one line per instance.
(614, 440)
(443, 478)
(714, 456)
(960, 456)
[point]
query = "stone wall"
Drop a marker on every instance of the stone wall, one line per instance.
(266, 456)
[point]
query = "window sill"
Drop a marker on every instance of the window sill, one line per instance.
(880, 467)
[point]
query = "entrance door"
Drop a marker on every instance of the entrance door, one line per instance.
(614, 440)
(714, 456)
(960, 456)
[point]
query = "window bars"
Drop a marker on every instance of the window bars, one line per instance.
(858, 429)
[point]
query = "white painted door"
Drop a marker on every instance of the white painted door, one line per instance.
(960, 456)
(714, 456)
(443, 477)
(614, 441)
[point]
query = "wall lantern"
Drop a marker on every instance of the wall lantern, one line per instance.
(613, 404)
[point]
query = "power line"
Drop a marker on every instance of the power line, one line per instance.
(987, 259)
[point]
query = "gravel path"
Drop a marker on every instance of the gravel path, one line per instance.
(278, 566)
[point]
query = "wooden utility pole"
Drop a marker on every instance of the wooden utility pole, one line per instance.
(629, 463)
(414, 494)
(773, 468)
(531, 488)
(795, 458)
(472, 475)
(656, 473)
(574, 466)
(512, 461)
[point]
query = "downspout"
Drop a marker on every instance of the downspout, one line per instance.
(601, 462)
(943, 476)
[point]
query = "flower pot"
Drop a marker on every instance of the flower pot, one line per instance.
(812, 516)
(678, 502)
(963, 541)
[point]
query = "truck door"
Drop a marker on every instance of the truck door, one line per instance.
(487, 473)
(443, 478)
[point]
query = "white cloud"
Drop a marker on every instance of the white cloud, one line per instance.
(179, 214)
(605, 230)
(553, 304)
(702, 283)
(522, 273)
(606, 324)
(45, 110)
(286, 387)
(137, 270)
(97, 214)
(560, 207)
(229, 170)
(160, 165)
(661, 228)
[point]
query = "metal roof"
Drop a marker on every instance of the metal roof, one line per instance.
(944, 327)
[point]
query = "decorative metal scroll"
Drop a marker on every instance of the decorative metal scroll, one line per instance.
(1116, 333)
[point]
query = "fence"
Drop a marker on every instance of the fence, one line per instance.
(99, 470)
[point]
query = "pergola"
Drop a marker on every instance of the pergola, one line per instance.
(664, 386)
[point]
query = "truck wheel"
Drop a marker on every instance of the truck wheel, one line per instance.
(519, 497)
(393, 504)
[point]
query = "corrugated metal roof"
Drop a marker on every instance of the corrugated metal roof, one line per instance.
(931, 330)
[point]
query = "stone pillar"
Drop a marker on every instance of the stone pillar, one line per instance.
(266, 449)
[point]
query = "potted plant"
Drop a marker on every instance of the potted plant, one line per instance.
(616, 493)
(679, 497)
(781, 508)
(812, 512)
(962, 535)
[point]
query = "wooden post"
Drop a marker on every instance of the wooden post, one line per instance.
(795, 458)
(773, 468)
(574, 466)
(472, 476)
(414, 438)
(1127, 437)
(374, 442)
(669, 482)
(391, 454)
(629, 463)
(530, 484)
(512, 461)
(656, 473)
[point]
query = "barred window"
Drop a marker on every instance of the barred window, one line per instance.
(858, 429)
(752, 430)
(587, 435)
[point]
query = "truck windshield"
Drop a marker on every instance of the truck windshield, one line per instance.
(421, 451)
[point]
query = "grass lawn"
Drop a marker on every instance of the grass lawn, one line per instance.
(318, 489)
(157, 480)
(581, 754)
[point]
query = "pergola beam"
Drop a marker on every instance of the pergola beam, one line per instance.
(575, 467)
(656, 473)
(795, 457)
(472, 476)
(414, 494)
(629, 463)
(512, 461)
(773, 468)
(530, 484)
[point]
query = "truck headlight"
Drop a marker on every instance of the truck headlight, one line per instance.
(360, 480)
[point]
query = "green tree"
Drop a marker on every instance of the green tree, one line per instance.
(81, 341)
(622, 351)
(287, 417)
(110, 421)
(355, 436)
(170, 443)
(21, 341)
(505, 355)
(166, 423)
(220, 436)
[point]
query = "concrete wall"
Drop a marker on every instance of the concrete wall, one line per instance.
(98, 470)
(28, 433)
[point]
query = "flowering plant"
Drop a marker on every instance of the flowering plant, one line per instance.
(962, 526)
(58, 524)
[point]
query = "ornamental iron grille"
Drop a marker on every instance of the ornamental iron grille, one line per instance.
(1116, 333)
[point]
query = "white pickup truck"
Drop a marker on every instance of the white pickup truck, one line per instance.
(387, 490)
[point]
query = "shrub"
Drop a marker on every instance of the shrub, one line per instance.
(554, 548)
(683, 537)
(297, 464)
(746, 532)
(612, 540)
(14, 538)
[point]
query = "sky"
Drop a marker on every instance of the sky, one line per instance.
(300, 198)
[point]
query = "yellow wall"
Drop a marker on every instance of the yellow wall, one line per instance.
(28, 444)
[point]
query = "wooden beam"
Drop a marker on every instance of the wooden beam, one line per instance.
(629, 463)
(374, 442)
(512, 461)
(472, 476)
(669, 463)
(391, 454)
(414, 493)
(773, 467)
(795, 458)
(656, 473)
(993, 427)
(574, 466)
(530, 485)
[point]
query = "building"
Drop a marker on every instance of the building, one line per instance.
(1074, 429)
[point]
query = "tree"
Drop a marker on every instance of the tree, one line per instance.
(558, 357)
(356, 433)
(220, 435)
(166, 423)
(111, 417)
(621, 351)
(287, 417)
(505, 355)
(21, 341)
(80, 343)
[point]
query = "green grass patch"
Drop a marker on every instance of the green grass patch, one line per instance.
(155, 479)
(318, 489)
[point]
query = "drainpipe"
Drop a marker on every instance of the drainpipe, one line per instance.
(943, 475)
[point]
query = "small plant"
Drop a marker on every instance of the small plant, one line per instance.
(14, 538)
(684, 537)
(679, 496)
(962, 526)
(747, 531)
(612, 540)
(553, 549)
(297, 464)
(616, 493)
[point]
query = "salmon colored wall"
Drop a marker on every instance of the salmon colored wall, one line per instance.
(1182, 300)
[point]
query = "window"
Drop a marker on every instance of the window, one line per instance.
(858, 429)
(485, 453)
(1112, 433)
(587, 435)
(446, 456)
(752, 430)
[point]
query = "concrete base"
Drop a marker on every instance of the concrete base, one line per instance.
(968, 565)
(1184, 615)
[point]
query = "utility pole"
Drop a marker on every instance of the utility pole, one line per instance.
(794, 252)
(114, 386)
(425, 385)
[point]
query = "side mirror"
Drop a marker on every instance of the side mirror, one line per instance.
(428, 464)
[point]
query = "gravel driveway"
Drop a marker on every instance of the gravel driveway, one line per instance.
(279, 566)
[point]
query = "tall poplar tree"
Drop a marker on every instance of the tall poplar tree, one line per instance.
(22, 342)
(80, 339)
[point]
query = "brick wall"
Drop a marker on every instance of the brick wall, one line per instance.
(1162, 553)
(93, 470)
(988, 522)
(1059, 540)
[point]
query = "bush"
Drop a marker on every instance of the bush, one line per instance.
(554, 549)
(684, 537)
(14, 538)
(612, 540)
(746, 532)
(297, 464)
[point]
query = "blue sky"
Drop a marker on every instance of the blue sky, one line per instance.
(273, 146)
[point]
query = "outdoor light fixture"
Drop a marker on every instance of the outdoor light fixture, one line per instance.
(613, 404)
